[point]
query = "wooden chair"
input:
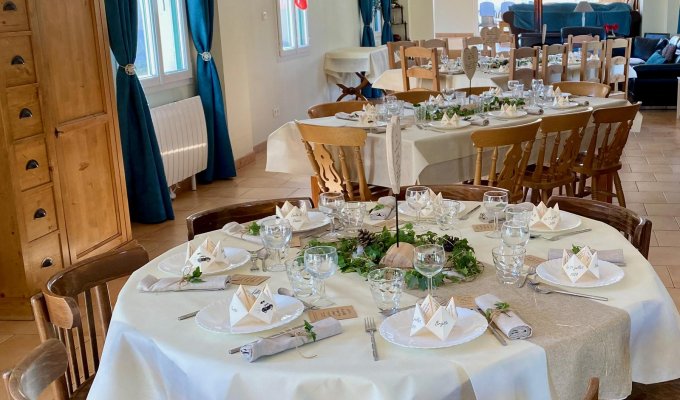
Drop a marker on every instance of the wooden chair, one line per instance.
(587, 89)
(492, 37)
(457, 191)
(577, 41)
(520, 140)
(524, 74)
(592, 392)
(618, 80)
(416, 96)
(592, 69)
(505, 41)
(330, 109)
(612, 126)
(439, 44)
(215, 218)
(637, 229)
(58, 314)
(393, 51)
(321, 142)
(44, 365)
(548, 69)
(475, 90)
(417, 71)
(554, 162)
(478, 42)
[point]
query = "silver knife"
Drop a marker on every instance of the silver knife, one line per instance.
(494, 330)
(467, 214)
(563, 235)
(187, 316)
(388, 313)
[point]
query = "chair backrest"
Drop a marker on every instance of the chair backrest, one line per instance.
(504, 27)
(581, 30)
(616, 66)
(576, 41)
(592, 61)
(554, 62)
(216, 218)
(637, 229)
(36, 371)
(506, 42)
(520, 140)
(490, 37)
(478, 42)
(590, 89)
(475, 90)
(612, 126)
(439, 44)
(528, 70)
(458, 191)
(592, 392)
(330, 109)
(321, 142)
(487, 9)
(419, 72)
(58, 314)
(393, 52)
(416, 96)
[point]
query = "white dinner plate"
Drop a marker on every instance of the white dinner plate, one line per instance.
(567, 221)
(551, 271)
(377, 124)
(397, 329)
(174, 264)
(215, 316)
(408, 211)
(439, 125)
(571, 104)
(500, 115)
(316, 220)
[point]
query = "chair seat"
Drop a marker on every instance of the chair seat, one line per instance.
(544, 182)
(579, 168)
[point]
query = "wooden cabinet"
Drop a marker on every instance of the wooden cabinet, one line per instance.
(63, 190)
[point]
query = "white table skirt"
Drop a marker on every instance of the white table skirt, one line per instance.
(341, 64)
(149, 354)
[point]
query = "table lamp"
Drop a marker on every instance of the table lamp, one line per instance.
(583, 7)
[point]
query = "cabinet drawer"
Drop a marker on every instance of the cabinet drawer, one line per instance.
(42, 259)
(31, 165)
(16, 60)
(23, 108)
(39, 212)
(13, 16)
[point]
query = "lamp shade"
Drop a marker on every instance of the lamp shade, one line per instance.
(583, 7)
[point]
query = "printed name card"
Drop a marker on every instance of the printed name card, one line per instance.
(544, 217)
(533, 261)
(483, 227)
(249, 280)
(245, 306)
(207, 254)
(343, 312)
(296, 216)
(582, 265)
(430, 316)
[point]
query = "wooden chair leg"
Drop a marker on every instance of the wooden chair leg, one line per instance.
(569, 189)
(593, 188)
(582, 185)
(526, 193)
(619, 189)
(314, 186)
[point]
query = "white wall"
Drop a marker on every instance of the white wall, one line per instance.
(655, 16)
(672, 16)
(455, 16)
(421, 18)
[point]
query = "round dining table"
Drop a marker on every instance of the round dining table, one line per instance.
(150, 354)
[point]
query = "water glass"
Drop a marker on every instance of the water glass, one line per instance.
(519, 212)
(276, 235)
(418, 197)
(303, 283)
(321, 262)
(518, 91)
(446, 214)
(353, 216)
(508, 262)
(429, 260)
(449, 94)
(330, 203)
(494, 203)
(515, 233)
(386, 286)
(461, 97)
(420, 113)
(511, 84)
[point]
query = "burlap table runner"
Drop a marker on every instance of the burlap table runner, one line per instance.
(582, 338)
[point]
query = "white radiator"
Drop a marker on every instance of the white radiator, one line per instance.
(182, 139)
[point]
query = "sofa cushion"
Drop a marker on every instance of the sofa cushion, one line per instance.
(636, 61)
(644, 47)
(656, 58)
(668, 52)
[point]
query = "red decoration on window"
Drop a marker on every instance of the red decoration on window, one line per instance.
(301, 4)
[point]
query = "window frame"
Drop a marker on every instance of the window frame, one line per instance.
(297, 50)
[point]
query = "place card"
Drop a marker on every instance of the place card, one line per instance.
(465, 302)
(295, 241)
(483, 227)
(389, 224)
(533, 261)
(342, 312)
(248, 280)
(430, 316)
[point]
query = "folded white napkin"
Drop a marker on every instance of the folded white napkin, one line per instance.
(503, 68)
(236, 230)
(509, 110)
(454, 121)
(561, 101)
(480, 121)
(509, 323)
(557, 92)
(296, 216)
(544, 217)
(298, 337)
(498, 92)
(152, 284)
(581, 266)
(205, 255)
(246, 306)
(614, 256)
(387, 211)
(431, 317)
(347, 116)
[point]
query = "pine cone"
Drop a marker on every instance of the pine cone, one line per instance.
(365, 237)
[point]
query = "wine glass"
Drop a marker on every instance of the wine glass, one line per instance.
(511, 84)
(276, 234)
(444, 58)
(321, 263)
(446, 215)
(330, 203)
(515, 233)
(418, 197)
(429, 260)
(448, 94)
(495, 203)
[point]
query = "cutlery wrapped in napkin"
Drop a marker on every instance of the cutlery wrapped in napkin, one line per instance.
(206, 255)
(234, 229)
(347, 116)
(614, 256)
(581, 266)
(534, 110)
(544, 217)
(296, 216)
(386, 211)
(508, 322)
(479, 121)
(152, 284)
(323, 329)
(432, 317)
(246, 307)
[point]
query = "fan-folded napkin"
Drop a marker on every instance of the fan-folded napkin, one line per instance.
(385, 212)
(432, 317)
(544, 217)
(614, 256)
(152, 284)
(508, 322)
(581, 266)
(296, 216)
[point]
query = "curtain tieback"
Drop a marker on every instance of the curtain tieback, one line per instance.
(206, 56)
(129, 69)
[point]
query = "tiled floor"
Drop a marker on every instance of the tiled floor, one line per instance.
(651, 176)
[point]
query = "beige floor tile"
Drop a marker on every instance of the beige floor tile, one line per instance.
(663, 160)
(663, 223)
(664, 275)
(664, 256)
(302, 193)
(667, 238)
(637, 177)
(675, 294)
(663, 209)
(634, 160)
(661, 177)
(265, 193)
(672, 197)
(658, 187)
(638, 208)
(644, 197)
(674, 273)
(651, 168)
(629, 187)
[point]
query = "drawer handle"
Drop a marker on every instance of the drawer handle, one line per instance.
(32, 164)
(39, 213)
(9, 6)
(46, 263)
(25, 113)
(18, 60)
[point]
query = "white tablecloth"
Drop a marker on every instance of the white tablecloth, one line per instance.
(340, 65)
(149, 354)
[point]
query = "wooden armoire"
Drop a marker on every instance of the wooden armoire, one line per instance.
(62, 184)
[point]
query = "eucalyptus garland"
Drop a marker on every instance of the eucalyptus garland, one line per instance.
(364, 255)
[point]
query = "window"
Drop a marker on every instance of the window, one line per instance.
(162, 53)
(377, 25)
(293, 28)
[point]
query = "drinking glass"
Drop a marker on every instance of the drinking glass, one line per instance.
(515, 233)
(303, 283)
(536, 87)
(353, 216)
(418, 197)
(386, 287)
(518, 91)
(276, 234)
(449, 94)
(519, 212)
(429, 260)
(495, 203)
(444, 58)
(511, 84)
(508, 262)
(431, 109)
(420, 113)
(446, 214)
(330, 203)
(461, 96)
(321, 262)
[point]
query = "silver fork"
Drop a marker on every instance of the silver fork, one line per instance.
(547, 290)
(369, 326)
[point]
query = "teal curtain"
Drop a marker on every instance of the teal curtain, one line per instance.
(147, 188)
(387, 35)
(366, 8)
(220, 156)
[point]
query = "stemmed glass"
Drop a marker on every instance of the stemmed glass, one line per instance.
(448, 95)
(511, 85)
(330, 203)
(321, 262)
(495, 203)
(444, 58)
(276, 234)
(418, 197)
(429, 260)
